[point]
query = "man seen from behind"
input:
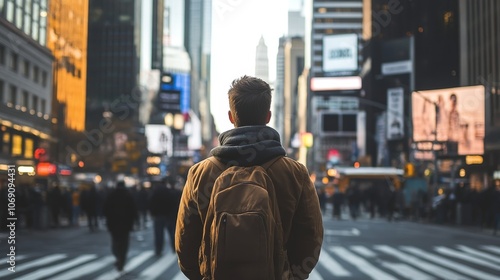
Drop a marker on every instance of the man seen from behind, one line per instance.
(252, 143)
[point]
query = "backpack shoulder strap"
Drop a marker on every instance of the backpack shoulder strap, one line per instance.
(217, 163)
(269, 163)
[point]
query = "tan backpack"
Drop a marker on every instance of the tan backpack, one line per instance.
(243, 236)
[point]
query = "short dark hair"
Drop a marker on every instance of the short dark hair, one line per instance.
(249, 101)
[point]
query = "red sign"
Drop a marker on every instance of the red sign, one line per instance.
(45, 169)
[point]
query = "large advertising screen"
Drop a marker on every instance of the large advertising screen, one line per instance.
(159, 139)
(459, 114)
(340, 53)
(175, 92)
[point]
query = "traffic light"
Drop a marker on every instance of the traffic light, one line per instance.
(409, 170)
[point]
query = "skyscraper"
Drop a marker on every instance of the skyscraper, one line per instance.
(124, 46)
(197, 41)
(262, 61)
(67, 39)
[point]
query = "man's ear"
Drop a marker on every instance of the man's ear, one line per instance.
(230, 117)
(268, 118)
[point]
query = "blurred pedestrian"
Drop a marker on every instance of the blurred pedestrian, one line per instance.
(120, 212)
(337, 200)
(496, 208)
(54, 201)
(89, 201)
(141, 197)
(354, 199)
(163, 206)
(75, 203)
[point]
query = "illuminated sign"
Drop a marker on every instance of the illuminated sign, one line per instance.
(473, 160)
(45, 169)
(336, 83)
(340, 53)
(175, 93)
(454, 116)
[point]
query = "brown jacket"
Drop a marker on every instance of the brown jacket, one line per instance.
(298, 205)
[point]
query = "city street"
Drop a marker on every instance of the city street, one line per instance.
(362, 249)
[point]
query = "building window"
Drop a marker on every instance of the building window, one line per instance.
(13, 95)
(13, 61)
(36, 74)
(34, 103)
(2, 5)
(17, 145)
(19, 14)
(27, 24)
(2, 91)
(24, 100)
(42, 106)
(2, 55)
(26, 68)
(28, 148)
(44, 79)
(10, 10)
(6, 143)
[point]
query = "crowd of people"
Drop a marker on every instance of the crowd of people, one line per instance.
(118, 209)
(458, 206)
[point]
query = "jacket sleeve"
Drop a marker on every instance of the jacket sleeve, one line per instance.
(306, 235)
(188, 232)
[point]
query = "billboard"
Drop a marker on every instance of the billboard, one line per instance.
(175, 93)
(160, 139)
(340, 53)
(395, 113)
(458, 113)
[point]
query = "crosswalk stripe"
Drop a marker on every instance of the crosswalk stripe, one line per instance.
(428, 267)
(326, 261)
(465, 257)
(361, 264)
(479, 254)
(129, 266)
(156, 269)
(493, 249)
(85, 269)
(456, 266)
(5, 260)
(314, 275)
(38, 262)
(44, 272)
(363, 251)
(179, 276)
(407, 271)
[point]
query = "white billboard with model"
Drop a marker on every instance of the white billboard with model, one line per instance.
(458, 113)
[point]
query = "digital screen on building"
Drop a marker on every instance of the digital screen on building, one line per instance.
(458, 113)
(175, 92)
(340, 53)
(159, 139)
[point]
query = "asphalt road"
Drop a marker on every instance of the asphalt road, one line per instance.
(362, 249)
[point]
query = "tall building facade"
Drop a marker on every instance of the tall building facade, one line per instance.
(480, 64)
(293, 66)
(67, 39)
(197, 41)
(25, 87)
(278, 115)
(261, 60)
(334, 78)
(124, 46)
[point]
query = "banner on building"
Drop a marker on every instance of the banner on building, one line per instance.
(340, 53)
(395, 113)
(453, 116)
